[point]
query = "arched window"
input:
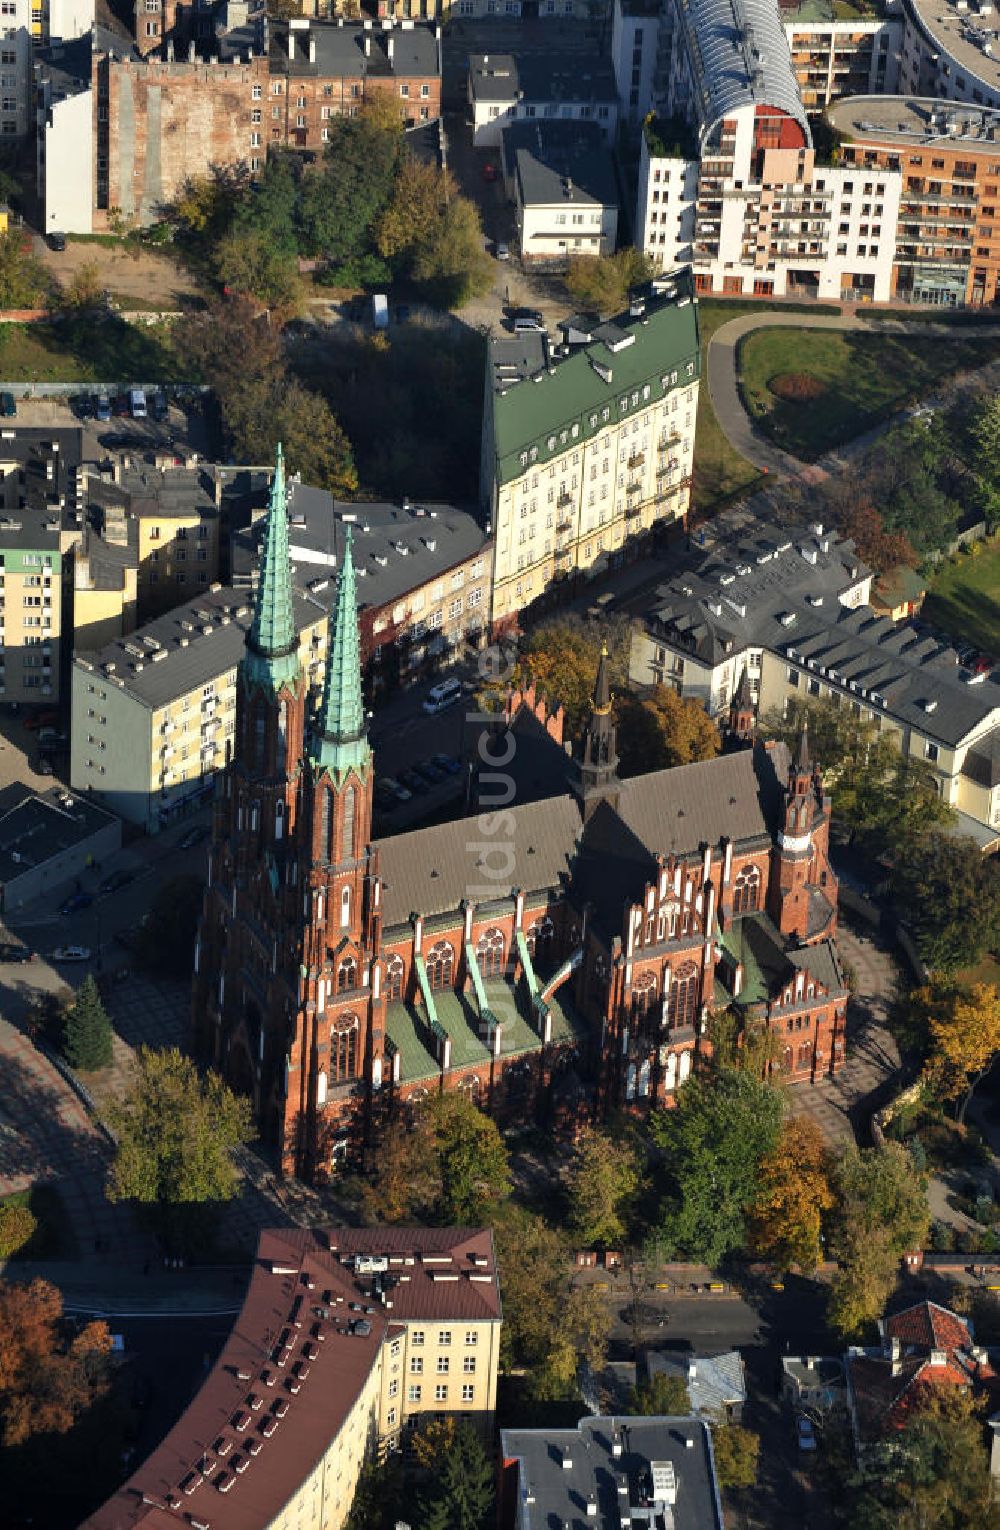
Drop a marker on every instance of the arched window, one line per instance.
(490, 953)
(394, 974)
(326, 816)
(538, 938)
(440, 964)
(345, 908)
(347, 826)
(259, 740)
(746, 890)
(321, 1089)
(643, 994)
(805, 1054)
(347, 974)
(683, 995)
(644, 1079)
(282, 741)
(343, 1048)
(329, 825)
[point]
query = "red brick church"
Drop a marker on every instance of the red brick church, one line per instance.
(571, 945)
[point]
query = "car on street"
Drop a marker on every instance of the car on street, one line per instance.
(75, 902)
(42, 765)
(448, 763)
(71, 954)
(8, 405)
(49, 735)
(430, 772)
(102, 407)
(57, 241)
(12, 953)
(502, 250)
(158, 406)
(805, 1432)
(120, 406)
(117, 879)
(82, 405)
(193, 836)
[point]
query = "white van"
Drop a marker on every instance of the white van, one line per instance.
(137, 403)
(439, 697)
(380, 311)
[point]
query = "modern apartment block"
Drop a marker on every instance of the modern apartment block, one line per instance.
(947, 244)
(153, 712)
(346, 1340)
(951, 49)
(588, 443)
(832, 59)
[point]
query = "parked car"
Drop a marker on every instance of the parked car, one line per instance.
(52, 736)
(71, 954)
(524, 320)
(806, 1433)
(120, 406)
(11, 953)
(193, 836)
(158, 406)
(429, 772)
(76, 901)
(502, 250)
(8, 405)
(117, 879)
(137, 403)
(448, 763)
(57, 241)
(40, 720)
(42, 765)
(399, 792)
(82, 405)
(102, 407)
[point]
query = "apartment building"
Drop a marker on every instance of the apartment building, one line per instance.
(588, 443)
(635, 31)
(790, 614)
(344, 1342)
(561, 179)
(423, 574)
(951, 49)
(153, 712)
(169, 519)
(947, 242)
(833, 59)
(504, 88)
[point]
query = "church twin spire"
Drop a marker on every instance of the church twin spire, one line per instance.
(339, 740)
(272, 650)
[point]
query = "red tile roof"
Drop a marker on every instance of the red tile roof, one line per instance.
(293, 1366)
(926, 1325)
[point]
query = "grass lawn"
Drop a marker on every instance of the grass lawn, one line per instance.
(89, 350)
(964, 598)
(865, 377)
(53, 1237)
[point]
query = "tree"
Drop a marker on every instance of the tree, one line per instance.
(23, 279)
(459, 1496)
(933, 1474)
(85, 288)
(736, 1451)
(177, 1133)
(404, 1178)
(249, 265)
(450, 262)
(166, 940)
(229, 342)
(560, 658)
(664, 729)
(472, 1161)
(18, 1225)
(548, 1322)
(47, 1378)
(601, 283)
(881, 1212)
(342, 198)
(433, 1438)
(949, 894)
(714, 1141)
(88, 1035)
(420, 193)
(603, 1177)
(793, 1194)
(964, 1027)
(882, 550)
(661, 1397)
(314, 441)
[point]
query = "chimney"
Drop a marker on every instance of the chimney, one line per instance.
(390, 44)
(567, 1459)
(368, 47)
(312, 49)
(191, 52)
(692, 1370)
(291, 46)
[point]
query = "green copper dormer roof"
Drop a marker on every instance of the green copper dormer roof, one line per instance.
(272, 658)
(339, 740)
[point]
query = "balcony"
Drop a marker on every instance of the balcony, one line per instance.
(566, 524)
(636, 460)
(564, 499)
(634, 488)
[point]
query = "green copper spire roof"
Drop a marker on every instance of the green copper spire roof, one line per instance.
(340, 740)
(272, 657)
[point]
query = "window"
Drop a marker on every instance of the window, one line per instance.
(468, 1391)
(538, 938)
(414, 1392)
(394, 1388)
(441, 1392)
(404, 91)
(490, 953)
(683, 995)
(644, 991)
(471, 1336)
(416, 1365)
(347, 974)
(440, 964)
(746, 890)
(394, 973)
(347, 826)
(443, 1365)
(417, 1336)
(343, 1048)
(256, 93)
(444, 1336)
(469, 1365)
(930, 752)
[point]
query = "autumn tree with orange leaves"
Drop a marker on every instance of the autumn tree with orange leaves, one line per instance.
(964, 1029)
(48, 1377)
(794, 1193)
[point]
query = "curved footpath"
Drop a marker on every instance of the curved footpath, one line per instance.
(734, 420)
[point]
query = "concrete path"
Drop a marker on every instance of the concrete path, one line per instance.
(723, 378)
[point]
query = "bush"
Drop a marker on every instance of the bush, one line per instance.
(942, 1238)
(985, 1209)
(796, 387)
(17, 1227)
(915, 1148)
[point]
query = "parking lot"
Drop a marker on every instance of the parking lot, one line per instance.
(184, 428)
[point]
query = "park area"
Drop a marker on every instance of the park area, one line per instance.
(964, 597)
(811, 390)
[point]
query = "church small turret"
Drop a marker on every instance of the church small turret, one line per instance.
(597, 765)
(739, 733)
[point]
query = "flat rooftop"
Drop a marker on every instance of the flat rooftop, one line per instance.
(37, 826)
(542, 76)
(964, 30)
(186, 647)
(290, 1372)
(918, 119)
(396, 548)
(620, 1472)
(330, 50)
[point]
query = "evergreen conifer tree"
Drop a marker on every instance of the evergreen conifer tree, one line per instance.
(87, 1035)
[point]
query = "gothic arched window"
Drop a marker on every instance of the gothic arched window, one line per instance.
(746, 890)
(643, 994)
(347, 974)
(490, 949)
(394, 974)
(538, 938)
(282, 741)
(440, 964)
(347, 826)
(343, 1048)
(683, 995)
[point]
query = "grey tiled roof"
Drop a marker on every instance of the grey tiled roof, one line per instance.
(35, 826)
(541, 77)
(430, 871)
(560, 162)
(737, 795)
(718, 1380)
(341, 50)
